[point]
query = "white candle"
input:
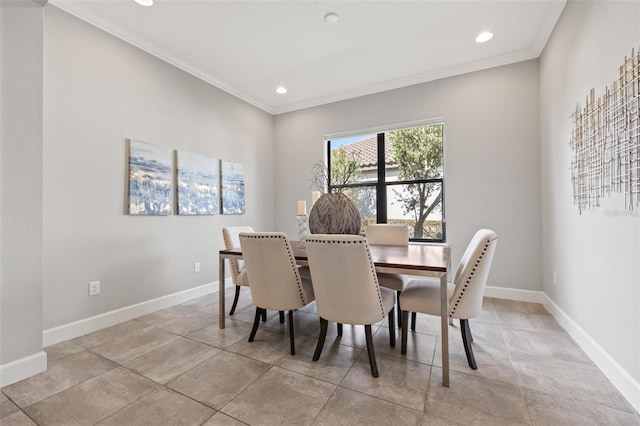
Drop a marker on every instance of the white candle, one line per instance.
(314, 197)
(302, 208)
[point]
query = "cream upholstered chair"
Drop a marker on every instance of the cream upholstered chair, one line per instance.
(394, 235)
(465, 293)
(231, 235)
(346, 288)
(275, 280)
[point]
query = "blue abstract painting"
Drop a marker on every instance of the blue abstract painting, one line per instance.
(232, 188)
(149, 179)
(197, 184)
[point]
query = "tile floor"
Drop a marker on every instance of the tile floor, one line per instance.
(176, 367)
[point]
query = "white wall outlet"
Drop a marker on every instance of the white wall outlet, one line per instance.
(555, 277)
(94, 288)
(196, 267)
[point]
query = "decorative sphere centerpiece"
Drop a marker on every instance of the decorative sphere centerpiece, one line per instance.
(334, 213)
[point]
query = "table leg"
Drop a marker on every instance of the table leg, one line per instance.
(221, 308)
(444, 324)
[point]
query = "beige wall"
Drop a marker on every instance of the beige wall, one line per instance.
(596, 254)
(492, 165)
(99, 91)
(21, 188)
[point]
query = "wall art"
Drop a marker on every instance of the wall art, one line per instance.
(232, 187)
(605, 140)
(197, 182)
(149, 179)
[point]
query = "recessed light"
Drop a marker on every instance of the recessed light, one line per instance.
(331, 18)
(144, 2)
(281, 90)
(484, 36)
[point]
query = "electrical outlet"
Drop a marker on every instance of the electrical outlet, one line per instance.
(555, 278)
(196, 267)
(94, 288)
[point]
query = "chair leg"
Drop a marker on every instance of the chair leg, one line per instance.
(339, 329)
(466, 339)
(256, 321)
(281, 317)
(399, 309)
(235, 300)
(291, 339)
(413, 321)
(371, 352)
(405, 331)
(392, 328)
(264, 315)
(323, 335)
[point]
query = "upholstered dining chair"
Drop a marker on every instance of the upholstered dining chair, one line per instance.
(276, 283)
(231, 235)
(395, 235)
(465, 293)
(346, 288)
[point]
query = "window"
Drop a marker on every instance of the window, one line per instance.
(393, 177)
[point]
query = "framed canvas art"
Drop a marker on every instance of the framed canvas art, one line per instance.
(232, 187)
(149, 179)
(197, 184)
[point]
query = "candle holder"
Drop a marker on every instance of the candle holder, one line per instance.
(302, 230)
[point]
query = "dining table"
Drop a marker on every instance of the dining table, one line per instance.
(423, 260)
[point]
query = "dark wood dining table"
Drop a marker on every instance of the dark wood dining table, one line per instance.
(427, 260)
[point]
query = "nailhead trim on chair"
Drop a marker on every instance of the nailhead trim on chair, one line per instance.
(373, 271)
(468, 280)
(292, 260)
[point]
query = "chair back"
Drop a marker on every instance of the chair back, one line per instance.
(385, 233)
(471, 275)
(344, 279)
(231, 235)
(272, 271)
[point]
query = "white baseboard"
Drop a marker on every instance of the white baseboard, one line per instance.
(621, 379)
(107, 319)
(514, 294)
(22, 368)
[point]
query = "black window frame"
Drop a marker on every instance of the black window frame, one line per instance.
(381, 185)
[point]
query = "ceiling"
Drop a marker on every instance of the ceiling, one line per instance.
(248, 48)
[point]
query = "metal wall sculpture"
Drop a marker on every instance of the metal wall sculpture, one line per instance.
(605, 141)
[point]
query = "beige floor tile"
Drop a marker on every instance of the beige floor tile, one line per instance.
(524, 316)
(554, 410)
(171, 360)
(432, 420)
(280, 397)
(6, 406)
(93, 400)
(106, 334)
(188, 324)
(575, 380)
(269, 346)
(472, 400)
(17, 419)
(420, 347)
(132, 345)
(219, 379)
(59, 376)
(233, 332)
(61, 350)
(426, 324)
(350, 408)
(221, 419)
(401, 381)
(334, 363)
(161, 407)
(158, 318)
(554, 343)
(493, 361)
